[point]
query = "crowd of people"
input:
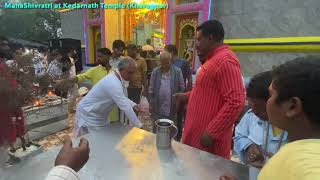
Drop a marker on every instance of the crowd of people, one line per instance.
(272, 122)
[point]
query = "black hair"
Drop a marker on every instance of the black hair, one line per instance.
(105, 51)
(132, 46)
(61, 52)
(153, 54)
(66, 63)
(143, 54)
(139, 48)
(118, 44)
(258, 86)
(16, 46)
(171, 49)
(300, 78)
(42, 49)
(212, 27)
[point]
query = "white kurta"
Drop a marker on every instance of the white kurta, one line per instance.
(62, 173)
(94, 108)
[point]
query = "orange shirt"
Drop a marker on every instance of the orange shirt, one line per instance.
(137, 80)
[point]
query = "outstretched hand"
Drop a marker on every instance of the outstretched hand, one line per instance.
(74, 158)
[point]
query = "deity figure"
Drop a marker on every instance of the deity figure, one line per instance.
(189, 47)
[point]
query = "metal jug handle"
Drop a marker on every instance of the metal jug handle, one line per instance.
(174, 133)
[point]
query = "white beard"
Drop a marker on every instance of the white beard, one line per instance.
(126, 83)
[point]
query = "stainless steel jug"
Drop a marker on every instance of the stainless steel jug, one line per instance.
(166, 130)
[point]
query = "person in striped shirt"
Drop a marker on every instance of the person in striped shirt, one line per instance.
(218, 97)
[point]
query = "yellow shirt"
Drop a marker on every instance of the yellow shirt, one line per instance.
(94, 74)
(299, 160)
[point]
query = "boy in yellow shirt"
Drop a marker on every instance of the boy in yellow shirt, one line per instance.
(294, 106)
(94, 74)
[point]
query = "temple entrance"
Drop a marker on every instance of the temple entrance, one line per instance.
(143, 24)
(185, 29)
(96, 36)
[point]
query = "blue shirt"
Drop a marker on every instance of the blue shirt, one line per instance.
(184, 67)
(251, 129)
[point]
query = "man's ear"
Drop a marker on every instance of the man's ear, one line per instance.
(293, 107)
(211, 38)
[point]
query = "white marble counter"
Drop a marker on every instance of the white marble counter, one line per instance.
(122, 153)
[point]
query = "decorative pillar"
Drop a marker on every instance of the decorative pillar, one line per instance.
(103, 27)
(86, 33)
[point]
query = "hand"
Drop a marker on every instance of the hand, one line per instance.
(254, 155)
(181, 101)
(206, 140)
(137, 108)
(227, 177)
(74, 158)
(269, 154)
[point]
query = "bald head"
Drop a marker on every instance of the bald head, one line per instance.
(165, 55)
(165, 61)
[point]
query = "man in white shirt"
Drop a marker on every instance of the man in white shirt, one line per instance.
(93, 109)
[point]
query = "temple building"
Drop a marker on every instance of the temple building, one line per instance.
(264, 33)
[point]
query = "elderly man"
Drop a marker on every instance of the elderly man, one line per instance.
(94, 108)
(165, 81)
(217, 99)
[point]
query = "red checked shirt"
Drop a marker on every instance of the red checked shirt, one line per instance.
(215, 102)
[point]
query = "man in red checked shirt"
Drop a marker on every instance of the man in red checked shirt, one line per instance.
(218, 97)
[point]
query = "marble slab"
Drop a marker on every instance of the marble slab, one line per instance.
(124, 153)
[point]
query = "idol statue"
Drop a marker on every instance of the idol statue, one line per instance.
(189, 47)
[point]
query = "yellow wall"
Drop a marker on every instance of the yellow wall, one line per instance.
(122, 25)
(282, 44)
(111, 24)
